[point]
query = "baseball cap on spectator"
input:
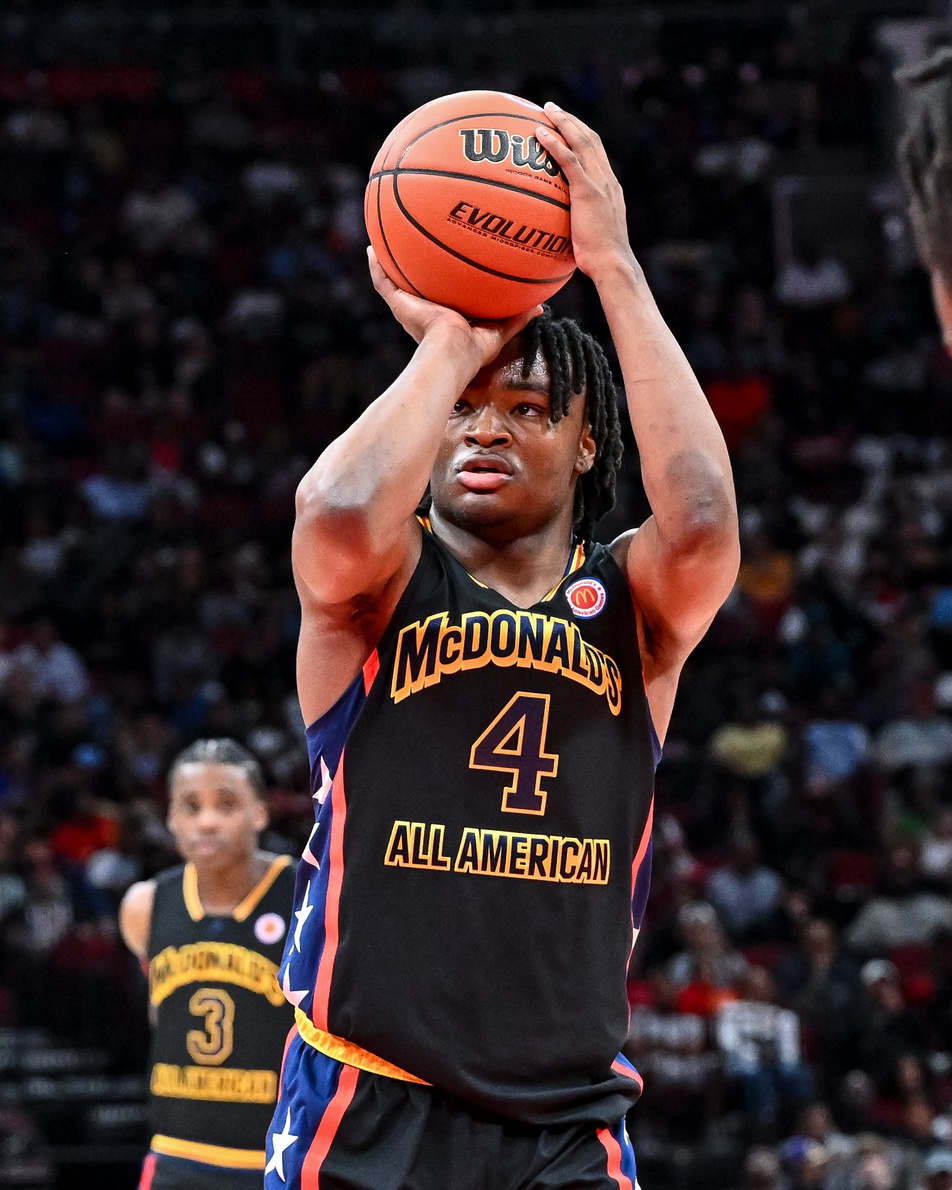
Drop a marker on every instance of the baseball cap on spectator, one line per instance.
(877, 969)
(938, 1161)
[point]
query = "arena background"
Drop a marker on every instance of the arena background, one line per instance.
(185, 322)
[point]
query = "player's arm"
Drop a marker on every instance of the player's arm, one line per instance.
(135, 917)
(354, 529)
(356, 541)
(683, 561)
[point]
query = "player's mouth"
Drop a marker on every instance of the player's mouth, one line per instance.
(205, 847)
(483, 473)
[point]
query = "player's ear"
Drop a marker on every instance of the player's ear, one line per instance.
(260, 815)
(585, 459)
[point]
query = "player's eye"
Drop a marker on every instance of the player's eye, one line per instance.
(461, 406)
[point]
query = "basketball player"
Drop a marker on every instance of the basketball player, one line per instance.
(925, 157)
(486, 692)
(212, 932)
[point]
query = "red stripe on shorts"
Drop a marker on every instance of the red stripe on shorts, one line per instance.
(613, 1149)
(148, 1172)
(335, 879)
(327, 1130)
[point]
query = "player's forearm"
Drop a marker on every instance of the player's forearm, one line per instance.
(378, 469)
(684, 461)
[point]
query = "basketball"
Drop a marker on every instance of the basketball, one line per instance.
(465, 208)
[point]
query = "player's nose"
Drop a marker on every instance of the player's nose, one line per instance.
(486, 426)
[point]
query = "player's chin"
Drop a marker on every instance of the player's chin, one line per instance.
(211, 857)
(484, 508)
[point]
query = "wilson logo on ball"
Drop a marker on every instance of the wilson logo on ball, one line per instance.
(586, 598)
(496, 144)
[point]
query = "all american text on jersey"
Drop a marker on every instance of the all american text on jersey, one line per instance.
(521, 856)
(429, 650)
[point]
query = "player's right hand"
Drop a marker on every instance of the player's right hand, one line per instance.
(482, 341)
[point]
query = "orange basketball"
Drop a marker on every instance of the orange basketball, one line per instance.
(465, 208)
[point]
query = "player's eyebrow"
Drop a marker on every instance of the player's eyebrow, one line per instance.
(528, 384)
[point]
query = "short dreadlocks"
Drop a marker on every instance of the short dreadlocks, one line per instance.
(925, 157)
(578, 365)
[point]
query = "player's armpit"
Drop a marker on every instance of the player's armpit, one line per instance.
(135, 917)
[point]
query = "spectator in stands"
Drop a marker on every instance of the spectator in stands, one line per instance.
(745, 892)
(935, 853)
(937, 1170)
(821, 984)
(760, 1043)
(902, 913)
(812, 278)
(751, 744)
(762, 1170)
(815, 1126)
(55, 668)
(889, 1041)
(835, 743)
(672, 1048)
(920, 738)
(705, 946)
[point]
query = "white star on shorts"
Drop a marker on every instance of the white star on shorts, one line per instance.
(302, 915)
(292, 997)
(327, 782)
(281, 1140)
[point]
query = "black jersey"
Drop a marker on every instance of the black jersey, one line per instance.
(220, 1019)
(471, 891)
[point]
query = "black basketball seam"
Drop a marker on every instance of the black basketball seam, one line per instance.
(465, 259)
(386, 244)
(444, 173)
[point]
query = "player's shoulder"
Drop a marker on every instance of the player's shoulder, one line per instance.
(135, 915)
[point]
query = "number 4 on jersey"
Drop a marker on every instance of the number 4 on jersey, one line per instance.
(515, 743)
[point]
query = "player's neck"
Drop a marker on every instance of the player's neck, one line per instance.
(522, 569)
(222, 890)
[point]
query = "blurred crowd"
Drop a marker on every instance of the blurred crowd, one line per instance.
(186, 321)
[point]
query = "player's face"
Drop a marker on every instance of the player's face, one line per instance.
(214, 814)
(503, 462)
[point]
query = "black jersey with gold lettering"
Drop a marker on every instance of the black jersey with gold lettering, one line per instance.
(473, 885)
(220, 1018)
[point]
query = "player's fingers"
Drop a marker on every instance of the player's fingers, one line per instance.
(584, 141)
(510, 327)
(382, 283)
(563, 154)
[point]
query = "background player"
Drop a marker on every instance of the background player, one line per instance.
(925, 156)
(447, 658)
(212, 931)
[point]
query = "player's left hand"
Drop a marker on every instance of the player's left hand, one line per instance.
(599, 225)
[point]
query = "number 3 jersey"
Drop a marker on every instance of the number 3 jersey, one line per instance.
(472, 888)
(220, 1020)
